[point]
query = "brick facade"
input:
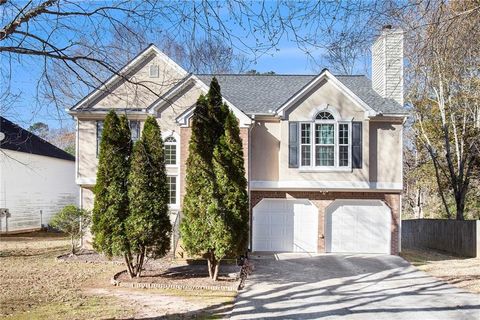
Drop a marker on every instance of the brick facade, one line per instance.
(323, 199)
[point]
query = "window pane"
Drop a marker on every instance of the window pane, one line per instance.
(324, 115)
(343, 133)
(306, 155)
(305, 133)
(170, 154)
(324, 134)
(324, 156)
(135, 130)
(343, 156)
(172, 189)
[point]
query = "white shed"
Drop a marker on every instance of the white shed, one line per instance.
(37, 179)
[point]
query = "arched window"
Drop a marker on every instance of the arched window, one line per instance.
(325, 142)
(324, 115)
(171, 151)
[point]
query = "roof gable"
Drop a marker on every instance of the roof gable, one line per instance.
(21, 140)
(128, 71)
(325, 75)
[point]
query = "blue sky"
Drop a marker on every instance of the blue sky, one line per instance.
(286, 58)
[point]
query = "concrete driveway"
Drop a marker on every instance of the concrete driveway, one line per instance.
(296, 286)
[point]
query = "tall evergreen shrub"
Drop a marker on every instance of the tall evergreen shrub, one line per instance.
(148, 225)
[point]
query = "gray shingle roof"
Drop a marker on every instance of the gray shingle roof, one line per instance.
(362, 87)
(263, 94)
(21, 140)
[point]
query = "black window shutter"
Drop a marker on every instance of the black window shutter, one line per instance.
(293, 144)
(357, 145)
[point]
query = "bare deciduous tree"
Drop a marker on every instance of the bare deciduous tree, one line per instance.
(444, 88)
(91, 40)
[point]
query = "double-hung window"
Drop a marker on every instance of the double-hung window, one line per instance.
(172, 190)
(305, 143)
(325, 143)
(343, 145)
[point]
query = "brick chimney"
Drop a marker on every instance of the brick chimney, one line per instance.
(387, 64)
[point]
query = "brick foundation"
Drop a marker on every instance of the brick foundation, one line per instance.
(323, 199)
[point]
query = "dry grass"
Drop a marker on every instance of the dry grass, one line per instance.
(461, 272)
(36, 286)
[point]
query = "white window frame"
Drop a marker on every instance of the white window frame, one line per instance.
(176, 205)
(336, 148)
(315, 145)
(305, 144)
(173, 134)
(168, 143)
(174, 170)
(349, 144)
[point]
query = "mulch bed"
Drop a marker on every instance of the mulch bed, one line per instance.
(185, 276)
(166, 273)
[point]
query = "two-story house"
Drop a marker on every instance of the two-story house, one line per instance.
(323, 153)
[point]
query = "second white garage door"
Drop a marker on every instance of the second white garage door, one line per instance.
(358, 226)
(285, 225)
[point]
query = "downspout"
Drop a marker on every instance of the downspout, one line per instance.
(248, 185)
(76, 151)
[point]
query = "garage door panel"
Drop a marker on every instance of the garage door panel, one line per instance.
(285, 225)
(358, 226)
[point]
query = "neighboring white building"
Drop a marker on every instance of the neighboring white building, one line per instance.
(37, 179)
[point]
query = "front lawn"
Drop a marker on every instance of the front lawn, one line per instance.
(460, 272)
(35, 286)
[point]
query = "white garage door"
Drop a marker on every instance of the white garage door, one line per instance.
(358, 226)
(285, 225)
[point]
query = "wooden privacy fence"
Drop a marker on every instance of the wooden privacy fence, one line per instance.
(457, 237)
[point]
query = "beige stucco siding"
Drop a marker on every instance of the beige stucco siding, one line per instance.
(265, 150)
(176, 106)
(86, 199)
(87, 147)
(386, 152)
(141, 90)
(325, 93)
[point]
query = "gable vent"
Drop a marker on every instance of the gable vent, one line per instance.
(154, 71)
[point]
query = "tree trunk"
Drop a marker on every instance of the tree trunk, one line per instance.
(460, 204)
(215, 273)
(439, 182)
(129, 266)
(139, 266)
(212, 265)
(73, 245)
